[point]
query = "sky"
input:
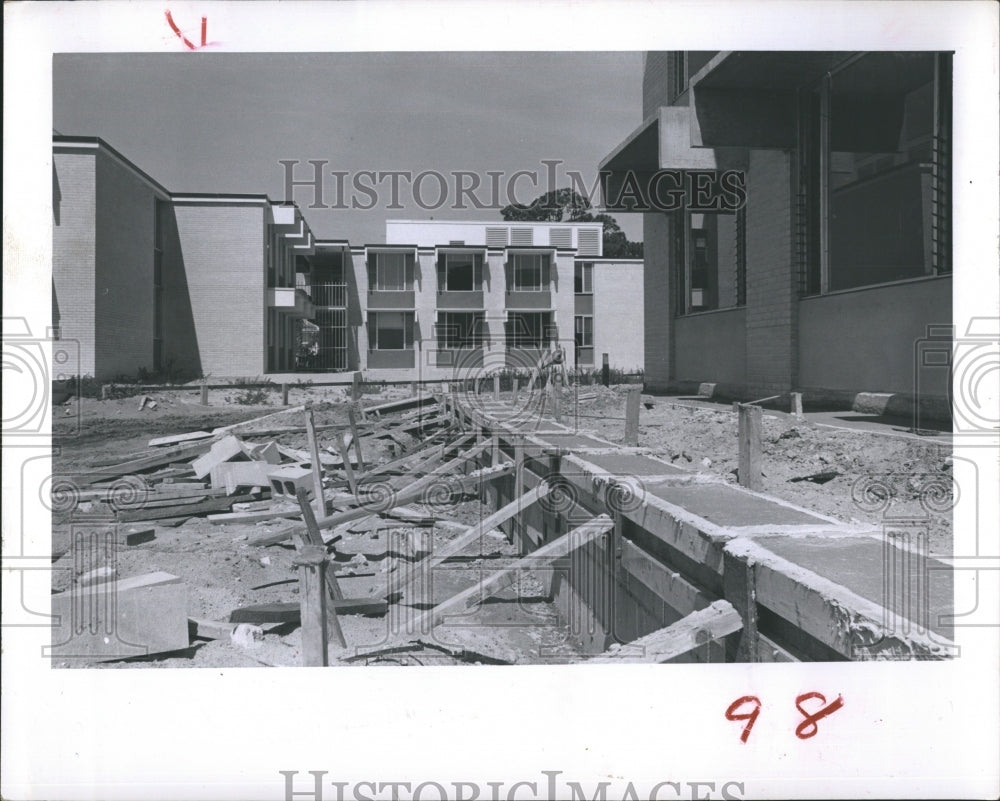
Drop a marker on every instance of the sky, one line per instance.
(222, 123)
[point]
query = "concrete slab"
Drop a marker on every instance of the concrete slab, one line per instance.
(910, 584)
(726, 506)
(136, 616)
(570, 441)
(627, 464)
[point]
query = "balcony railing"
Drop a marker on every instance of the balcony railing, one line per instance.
(327, 295)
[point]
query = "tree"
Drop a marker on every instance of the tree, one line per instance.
(567, 204)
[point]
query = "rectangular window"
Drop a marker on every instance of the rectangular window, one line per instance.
(710, 259)
(390, 330)
(583, 278)
(874, 171)
(460, 330)
(389, 272)
(529, 329)
(584, 339)
(529, 272)
(460, 272)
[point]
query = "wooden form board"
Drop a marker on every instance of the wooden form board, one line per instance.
(695, 630)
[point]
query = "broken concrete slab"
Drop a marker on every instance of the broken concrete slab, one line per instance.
(233, 475)
(226, 449)
(137, 616)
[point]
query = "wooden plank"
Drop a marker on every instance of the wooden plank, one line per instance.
(693, 631)
(187, 510)
(178, 438)
(345, 457)
(313, 538)
(315, 620)
(220, 451)
(407, 495)
(400, 405)
(237, 426)
(541, 559)
(424, 455)
(352, 418)
(290, 612)
(317, 465)
(750, 424)
(739, 588)
(159, 459)
(515, 507)
(668, 584)
(289, 512)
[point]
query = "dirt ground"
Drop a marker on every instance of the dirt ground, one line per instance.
(874, 475)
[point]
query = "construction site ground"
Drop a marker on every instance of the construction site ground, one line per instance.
(223, 571)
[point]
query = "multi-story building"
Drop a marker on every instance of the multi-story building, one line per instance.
(833, 262)
(151, 280)
(147, 279)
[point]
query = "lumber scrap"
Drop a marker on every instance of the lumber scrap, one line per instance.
(697, 629)
(186, 510)
(541, 559)
(289, 613)
(223, 450)
(406, 495)
(218, 432)
(425, 456)
(159, 459)
(400, 405)
(472, 534)
(255, 517)
(178, 438)
(312, 537)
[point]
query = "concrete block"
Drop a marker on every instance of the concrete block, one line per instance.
(135, 536)
(136, 616)
(233, 475)
(285, 481)
(267, 452)
(225, 450)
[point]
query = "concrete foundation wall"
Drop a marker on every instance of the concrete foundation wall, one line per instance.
(711, 347)
(223, 251)
(864, 340)
(74, 198)
(618, 314)
(124, 270)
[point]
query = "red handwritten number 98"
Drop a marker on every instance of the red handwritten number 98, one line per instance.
(749, 717)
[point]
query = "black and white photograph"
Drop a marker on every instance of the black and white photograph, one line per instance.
(616, 368)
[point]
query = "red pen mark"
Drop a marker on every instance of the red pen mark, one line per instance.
(182, 37)
(808, 727)
(749, 717)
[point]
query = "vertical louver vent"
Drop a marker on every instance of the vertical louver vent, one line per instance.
(588, 243)
(521, 237)
(561, 238)
(496, 237)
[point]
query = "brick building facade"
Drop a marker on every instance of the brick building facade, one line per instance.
(836, 261)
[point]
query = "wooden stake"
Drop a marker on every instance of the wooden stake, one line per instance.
(516, 387)
(313, 538)
(320, 501)
(204, 394)
(605, 371)
(750, 424)
(797, 404)
(356, 387)
(284, 394)
(357, 439)
(345, 456)
(413, 388)
(496, 387)
(517, 527)
(311, 562)
(632, 416)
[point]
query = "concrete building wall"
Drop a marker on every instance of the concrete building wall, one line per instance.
(564, 303)
(74, 210)
(711, 347)
(656, 302)
(864, 340)
(223, 251)
(619, 314)
(356, 265)
(771, 340)
(124, 270)
(655, 84)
